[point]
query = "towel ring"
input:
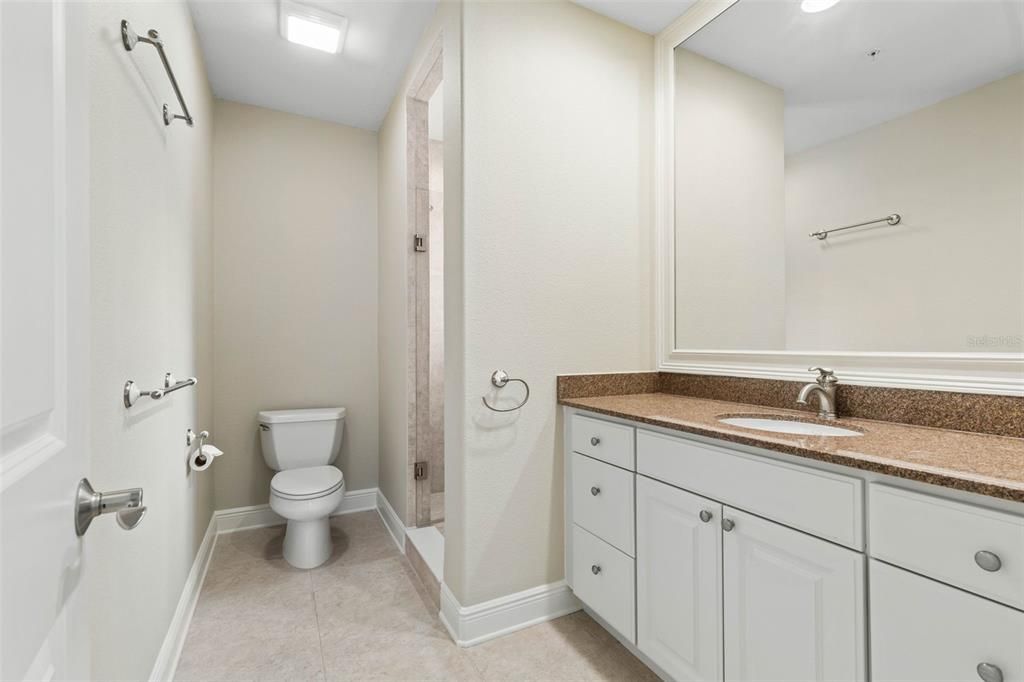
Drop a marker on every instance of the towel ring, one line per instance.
(500, 379)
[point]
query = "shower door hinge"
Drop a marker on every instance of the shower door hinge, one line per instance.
(419, 471)
(418, 243)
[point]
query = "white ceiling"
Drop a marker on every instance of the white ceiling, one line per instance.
(248, 61)
(928, 51)
(643, 15)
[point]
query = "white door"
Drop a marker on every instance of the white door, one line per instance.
(45, 333)
(678, 581)
(794, 604)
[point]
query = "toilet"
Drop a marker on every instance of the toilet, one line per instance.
(301, 445)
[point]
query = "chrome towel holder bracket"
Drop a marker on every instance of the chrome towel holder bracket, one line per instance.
(500, 379)
(130, 39)
(132, 392)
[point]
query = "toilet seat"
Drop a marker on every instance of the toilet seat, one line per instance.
(307, 483)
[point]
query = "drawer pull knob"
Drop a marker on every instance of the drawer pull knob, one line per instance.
(727, 525)
(705, 515)
(595, 491)
(989, 672)
(595, 441)
(988, 561)
(595, 569)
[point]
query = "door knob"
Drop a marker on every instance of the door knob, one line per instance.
(595, 441)
(595, 491)
(705, 515)
(89, 504)
(595, 569)
(727, 525)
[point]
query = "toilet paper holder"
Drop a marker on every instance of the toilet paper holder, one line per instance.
(191, 436)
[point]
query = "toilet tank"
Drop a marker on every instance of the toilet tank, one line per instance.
(301, 438)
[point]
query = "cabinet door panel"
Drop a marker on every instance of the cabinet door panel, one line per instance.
(924, 631)
(794, 604)
(679, 556)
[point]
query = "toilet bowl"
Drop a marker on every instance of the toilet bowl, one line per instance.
(300, 445)
(306, 497)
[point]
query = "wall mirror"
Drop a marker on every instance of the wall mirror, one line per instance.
(783, 122)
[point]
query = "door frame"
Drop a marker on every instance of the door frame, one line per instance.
(423, 436)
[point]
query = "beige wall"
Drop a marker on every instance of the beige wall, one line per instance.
(557, 134)
(151, 234)
(730, 208)
(952, 270)
(295, 270)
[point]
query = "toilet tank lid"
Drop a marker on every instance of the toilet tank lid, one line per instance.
(316, 414)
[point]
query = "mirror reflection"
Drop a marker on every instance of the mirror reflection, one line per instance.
(798, 118)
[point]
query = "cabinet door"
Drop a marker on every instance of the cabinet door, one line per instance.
(794, 604)
(678, 559)
(924, 631)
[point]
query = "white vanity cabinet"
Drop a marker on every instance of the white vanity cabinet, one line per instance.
(714, 563)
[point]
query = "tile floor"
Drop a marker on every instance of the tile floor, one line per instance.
(364, 616)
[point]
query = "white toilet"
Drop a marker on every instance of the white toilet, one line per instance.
(301, 445)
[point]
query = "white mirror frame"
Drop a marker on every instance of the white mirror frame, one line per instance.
(993, 373)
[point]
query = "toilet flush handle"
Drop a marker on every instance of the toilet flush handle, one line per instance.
(264, 427)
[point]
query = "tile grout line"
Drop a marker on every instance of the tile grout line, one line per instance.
(319, 632)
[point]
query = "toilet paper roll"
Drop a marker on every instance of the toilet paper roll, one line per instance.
(201, 459)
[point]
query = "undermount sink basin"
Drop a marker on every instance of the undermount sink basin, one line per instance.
(793, 426)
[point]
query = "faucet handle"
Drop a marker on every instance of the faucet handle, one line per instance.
(825, 375)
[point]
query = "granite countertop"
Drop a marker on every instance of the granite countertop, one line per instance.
(974, 462)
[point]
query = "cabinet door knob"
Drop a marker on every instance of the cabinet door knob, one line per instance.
(727, 525)
(595, 440)
(989, 672)
(595, 569)
(988, 561)
(705, 515)
(595, 491)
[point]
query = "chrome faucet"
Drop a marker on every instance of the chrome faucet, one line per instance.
(825, 388)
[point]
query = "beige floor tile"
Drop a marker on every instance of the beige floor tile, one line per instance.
(365, 615)
(570, 648)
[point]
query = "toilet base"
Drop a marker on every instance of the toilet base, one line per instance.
(307, 544)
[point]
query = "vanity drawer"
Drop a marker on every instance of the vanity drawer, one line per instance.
(603, 579)
(924, 631)
(817, 502)
(946, 540)
(608, 442)
(602, 501)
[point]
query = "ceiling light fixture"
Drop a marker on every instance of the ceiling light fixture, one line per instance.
(313, 27)
(813, 6)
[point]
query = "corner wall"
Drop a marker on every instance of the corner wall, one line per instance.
(151, 243)
(295, 269)
(558, 140)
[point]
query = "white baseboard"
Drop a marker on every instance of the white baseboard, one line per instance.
(261, 515)
(174, 640)
(471, 625)
(391, 520)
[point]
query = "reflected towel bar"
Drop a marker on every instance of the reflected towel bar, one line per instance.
(893, 219)
(130, 38)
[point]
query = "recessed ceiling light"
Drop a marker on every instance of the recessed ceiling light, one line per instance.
(812, 6)
(313, 27)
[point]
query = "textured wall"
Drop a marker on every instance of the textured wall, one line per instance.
(557, 133)
(151, 233)
(295, 274)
